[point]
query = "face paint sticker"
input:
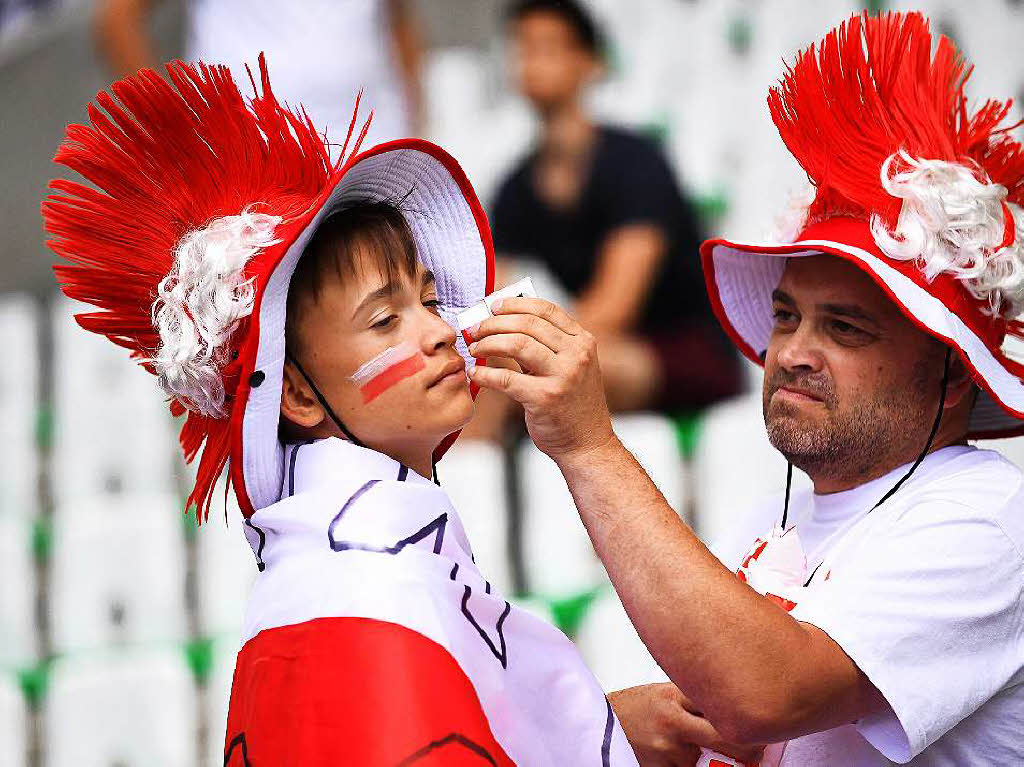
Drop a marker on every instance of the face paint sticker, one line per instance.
(394, 364)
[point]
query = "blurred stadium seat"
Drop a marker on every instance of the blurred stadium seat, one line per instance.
(113, 432)
(13, 724)
(225, 569)
(19, 645)
(118, 572)
(134, 708)
(19, 407)
(557, 555)
(479, 493)
(610, 645)
(735, 466)
(218, 695)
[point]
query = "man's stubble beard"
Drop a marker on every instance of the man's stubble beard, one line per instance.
(861, 441)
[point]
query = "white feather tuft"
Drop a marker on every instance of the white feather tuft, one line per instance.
(200, 303)
(953, 223)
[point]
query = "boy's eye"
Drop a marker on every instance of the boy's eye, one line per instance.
(385, 322)
(433, 303)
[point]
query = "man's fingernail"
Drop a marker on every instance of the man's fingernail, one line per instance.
(497, 305)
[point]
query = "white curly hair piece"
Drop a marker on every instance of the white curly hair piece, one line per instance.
(200, 303)
(954, 223)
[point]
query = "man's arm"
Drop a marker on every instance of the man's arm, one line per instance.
(756, 673)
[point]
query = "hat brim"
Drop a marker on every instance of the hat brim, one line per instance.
(740, 279)
(452, 240)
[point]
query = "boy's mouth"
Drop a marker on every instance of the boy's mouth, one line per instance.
(453, 370)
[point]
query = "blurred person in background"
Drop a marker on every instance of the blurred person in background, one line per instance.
(599, 207)
(323, 52)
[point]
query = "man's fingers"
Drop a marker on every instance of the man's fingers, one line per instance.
(531, 355)
(703, 732)
(528, 324)
(539, 308)
(518, 386)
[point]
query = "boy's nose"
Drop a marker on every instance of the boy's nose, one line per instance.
(437, 334)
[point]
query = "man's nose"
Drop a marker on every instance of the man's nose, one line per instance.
(801, 350)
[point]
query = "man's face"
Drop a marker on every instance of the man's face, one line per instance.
(358, 318)
(851, 385)
(549, 63)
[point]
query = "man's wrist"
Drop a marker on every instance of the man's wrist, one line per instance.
(589, 456)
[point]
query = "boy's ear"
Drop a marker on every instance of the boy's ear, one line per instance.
(298, 403)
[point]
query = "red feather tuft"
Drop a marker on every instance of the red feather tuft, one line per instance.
(873, 87)
(163, 159)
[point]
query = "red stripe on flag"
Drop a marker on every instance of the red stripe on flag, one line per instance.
(397, 372)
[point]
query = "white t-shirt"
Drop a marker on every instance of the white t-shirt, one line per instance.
(319, 53)
(925, 595)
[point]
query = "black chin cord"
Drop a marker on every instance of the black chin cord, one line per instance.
(905, 477)
(323, 401)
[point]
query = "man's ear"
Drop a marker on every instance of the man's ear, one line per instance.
(298, 403)
(961, 385)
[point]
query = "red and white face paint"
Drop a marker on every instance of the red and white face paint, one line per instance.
(391, 366)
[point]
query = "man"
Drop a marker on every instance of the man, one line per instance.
(893, 630)
(600, 208)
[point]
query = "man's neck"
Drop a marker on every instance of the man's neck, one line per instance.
(827, 483)
(566, 129)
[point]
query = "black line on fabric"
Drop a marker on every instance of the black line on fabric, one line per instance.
(238, 740)
(813, 573)
(454, 572)
(453, 738)
(606, 744)
(501, 655)
(291, 467)
(436, 526)
(260, 565)
(403, 473)
(487, 587)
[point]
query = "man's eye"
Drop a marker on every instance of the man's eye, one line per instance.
(385, 322)
(845, 327)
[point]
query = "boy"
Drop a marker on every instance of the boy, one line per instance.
(301, 313)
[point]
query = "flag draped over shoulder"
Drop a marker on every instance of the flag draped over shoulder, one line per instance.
(372, 638)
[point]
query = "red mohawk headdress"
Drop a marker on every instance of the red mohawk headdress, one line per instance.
(918, 191)
(202, 202)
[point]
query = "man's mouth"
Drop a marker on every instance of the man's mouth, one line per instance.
(796, 394)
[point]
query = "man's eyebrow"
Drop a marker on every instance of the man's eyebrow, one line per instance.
(852, 311)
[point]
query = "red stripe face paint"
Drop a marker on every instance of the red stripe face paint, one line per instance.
(394, 364)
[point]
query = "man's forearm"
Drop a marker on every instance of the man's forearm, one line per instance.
(741, 659)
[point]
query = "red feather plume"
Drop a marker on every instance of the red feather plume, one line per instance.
(873, 87)
(162, 159)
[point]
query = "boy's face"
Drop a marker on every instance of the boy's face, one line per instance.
(408, 406)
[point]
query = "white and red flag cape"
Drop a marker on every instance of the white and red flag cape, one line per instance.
(371, 637)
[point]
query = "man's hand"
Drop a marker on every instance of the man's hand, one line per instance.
(560, 387)
(666, 730)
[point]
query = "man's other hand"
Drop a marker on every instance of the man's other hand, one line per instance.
(665, 730)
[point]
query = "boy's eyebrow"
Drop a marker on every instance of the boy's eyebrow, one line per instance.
(386, 291)
(782, 297)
